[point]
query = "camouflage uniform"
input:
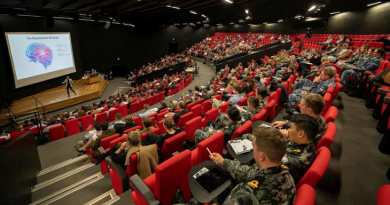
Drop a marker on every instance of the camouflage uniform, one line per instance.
(257, 186)
(368, 64)
(319, 88)
(263, 103)
(354, 60)
(250, 112)
(298, 159)
(221, 124)
(321, 130)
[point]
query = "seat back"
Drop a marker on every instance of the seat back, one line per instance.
(155, 130)
(131, 129)
(36, 131)
(16, 134)
(317, 169)
(133, 108)
(328, 137)
(156, 98)
(270, 107)
(111, 114)
(123, 110)
(200, 101)
(225, 106)
(160, 125)
(210, 115)
(149, 100)
(189, 106)
(118, 176)
(138, 120)
(161, 115)
(56, 132)
(133, 168)
(383, 195)
(328, 103)
(243, 101)
(172, 175)
(331, 115)
(191, 126)
(86, 121)
(183, 119)
(262, 115)
(116, 141)
(141, 104)
(171, 145)
(305, 195)
(105, 142)
(196, 110)
(101, 117)
(214, 143)
(162, 95)
(244, 129)
(72, 126)
(206, 106)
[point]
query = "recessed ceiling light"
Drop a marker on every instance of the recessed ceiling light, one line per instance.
(232, 23)
(280, 20)
(337, 12)
(204, 15)
(247, 11)
(248, 17)
(193, 12)
(372, 4)
(312, 8)
(229, 1)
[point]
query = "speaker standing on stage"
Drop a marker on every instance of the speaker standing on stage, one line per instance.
(69, 85)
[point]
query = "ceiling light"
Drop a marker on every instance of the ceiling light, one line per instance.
(219, 24)
(206, 25)
(372, 4)
(85, 19)
(176, 24)
(318, 9)
(193, 12)
(198, 22)
(232, 23)
(311, 8)
(229, 1)
(280, 20)
(25, 15)
(248, 17)
(64, 18)
(185, 24)
(192, 24)
(337, 12)
(175, 7)
(298, 16)
(204, 15)
(116, 23)
(241, 21)
(169, 6)
(247, 11)
(265, 23)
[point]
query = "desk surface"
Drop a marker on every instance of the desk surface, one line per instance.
(201, 195)
(243, 158)
(259, 122)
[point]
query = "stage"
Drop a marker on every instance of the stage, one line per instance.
(56, 98)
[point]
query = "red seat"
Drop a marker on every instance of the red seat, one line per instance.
(123, 110)
(262, 115)
(141, 104)
(225, 106)
(383, 195)
(86, 121)
(120, 177)
(210, 115)
(160, 125)
(331, 115)
(214, 143)
(196, 110)
(168, 177)
(305, 195)
(328, 137)
(36, 131)
(133, 108)
(190, 106)
(117, 140)
(156, 98)
(105, 142)
(162, 96)
(317, 169)
(149, 100)
(184, 118)
(336, 90)
(328, 103)
(206, 106)
(111, 114)
(200, 101)
(161, 115)
(131, 129)
(138, 120)
(191, 126)
(101, 117)
(56, 132)
(270, 107)
(243, 129)
(155, 130)
(16, 134)
(243, 101)
(172, 145)
(72, 127)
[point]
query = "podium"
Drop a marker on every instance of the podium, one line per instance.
(91, 78)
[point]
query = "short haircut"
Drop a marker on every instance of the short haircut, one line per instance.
(234, 114)
(254, 101)
(314, 101)
(118, 116)
(238, 88)
(169, 123)
(146, 106)
(129, 119)
(380, 51)
(147, 122)
(182, 104)
(330, 71)
(307, 124)
(104, 126)
(262, 91)
(134, 138)
(271, 142)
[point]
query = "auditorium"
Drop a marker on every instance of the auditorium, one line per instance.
(188, 102)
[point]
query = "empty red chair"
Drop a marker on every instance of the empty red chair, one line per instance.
(141, 104)
(383, 195)
(183, 119)
(270, 107)
(116, 141)
(262, 115)
(196, 111)
(86, 121)
(56, 132)
(123, 110)
(138, 120)
(243, 101)
(210, 115)
(133, 108)
(155, 130)
(214, 143)
(168, 177)
(207, 105)
(191, 126)
(224, 107)
(111, 114)
(72, 126)
(162, 95)
(328, 137)
(160, 125)
(331, 115)
(317, 170)
(336, 90)
(189, 106)
(172, 145)
(101, 117)
(131, 129)
(156, 98)
(149, 100)
(16, 134)
(200, 101)
(154, 115)
(161, 115)
(244, 129)
(328, 103)
(105, 142)
(305, 195)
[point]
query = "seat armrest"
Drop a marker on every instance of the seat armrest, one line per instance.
(377, 84)
(383, 91)
(387, 100)
(367, 73)
(138, 184)
(121, 172)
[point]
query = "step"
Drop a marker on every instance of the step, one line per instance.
(113, 198)
(62, 164)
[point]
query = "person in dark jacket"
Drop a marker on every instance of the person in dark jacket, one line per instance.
(182, 111)
(129, 123)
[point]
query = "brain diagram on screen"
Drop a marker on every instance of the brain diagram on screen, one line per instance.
(39, 52)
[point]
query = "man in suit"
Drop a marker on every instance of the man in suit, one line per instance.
(182, 111)
(69, 85)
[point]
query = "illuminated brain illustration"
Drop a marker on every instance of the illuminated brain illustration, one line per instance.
(39, 52)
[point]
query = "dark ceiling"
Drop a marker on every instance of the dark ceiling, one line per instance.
(156, 12)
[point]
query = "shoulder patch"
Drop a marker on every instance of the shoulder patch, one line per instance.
(284, 166)
(254, 184)
(297, 150)
(227, 127)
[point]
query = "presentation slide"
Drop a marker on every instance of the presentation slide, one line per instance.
(37, 57)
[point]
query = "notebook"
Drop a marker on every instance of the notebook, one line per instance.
(241, 146)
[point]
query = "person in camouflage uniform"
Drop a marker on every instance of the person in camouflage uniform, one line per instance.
(264, 182)
(227, 123)
(251, 110)
(261, 94)
(319, 85)
(354, 60)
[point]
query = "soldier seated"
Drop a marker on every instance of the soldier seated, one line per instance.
(247, 112)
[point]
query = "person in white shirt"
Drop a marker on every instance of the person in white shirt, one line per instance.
(118, 120)
(148, 111)
(69, 85)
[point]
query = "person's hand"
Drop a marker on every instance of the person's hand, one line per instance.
(217, 158)
(89, 128)
(278, 123)
(123, 145)
(317, 79)
(284, 132)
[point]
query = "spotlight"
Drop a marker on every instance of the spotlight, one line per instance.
(312, 8)
(229, 1)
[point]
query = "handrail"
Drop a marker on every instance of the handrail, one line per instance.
(36, 105)
(19, 115)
